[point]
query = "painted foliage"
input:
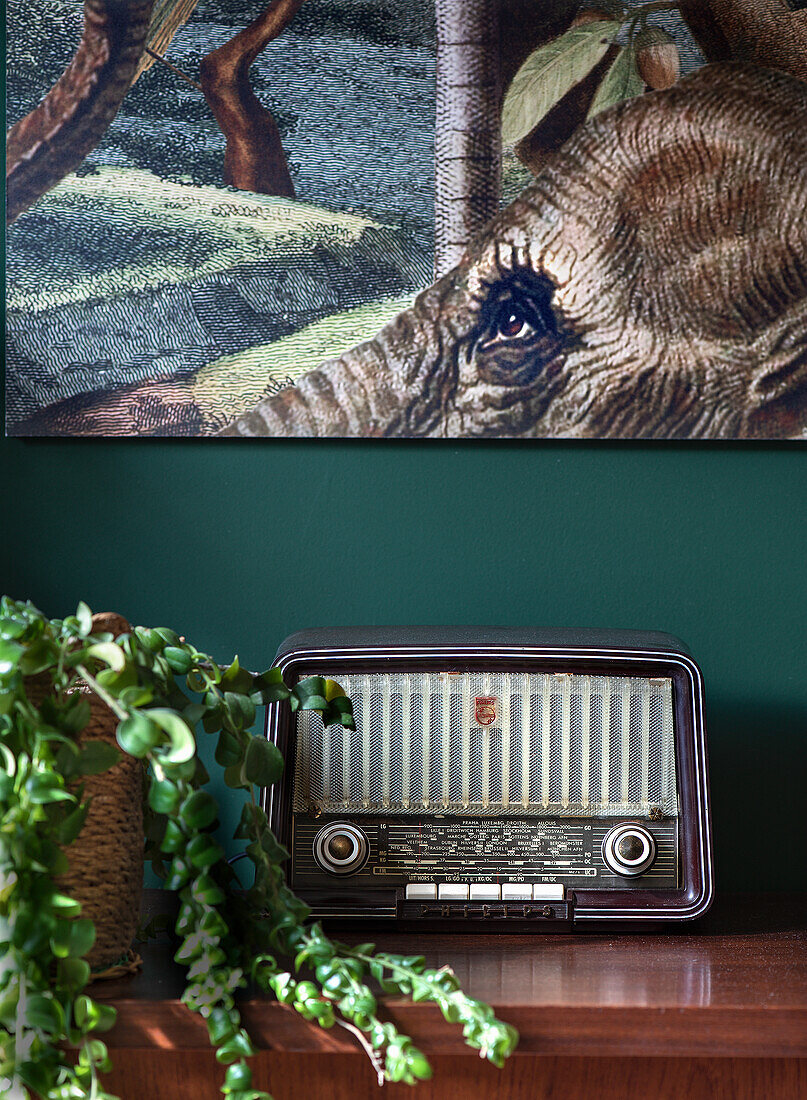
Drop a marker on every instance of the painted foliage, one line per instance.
(408, 218)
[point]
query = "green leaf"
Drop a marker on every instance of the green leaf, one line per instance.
(178, 660)
(238, 1076)
(10, 654)
(12, 627)
(334, 690)
(228, 750)
(109, 653)
(164, 796)
(43, 787)
(203, 851)
(193, 713)
(183, 743)
(36, 1076)
(220, 1026)
(72, 974)
(179, 873)
(76, 715)
(174, 839)
(263, 762)
(275, 852)
(199, 810)
(70, 826)
(549, 73)
(9, 761)
(137, 734)
(236, 678)
(236, 1047)
(72, 938)
(240, 707)
(64, 905)
(622, 81)
(136, 696)
(96, 757)
(169, 637)
(205, 891)
(84, 617)
(44, 1012)
(234, 776)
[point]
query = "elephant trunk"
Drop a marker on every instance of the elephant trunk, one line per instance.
(393, 385)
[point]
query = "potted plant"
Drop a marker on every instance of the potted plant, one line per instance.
(157, 689)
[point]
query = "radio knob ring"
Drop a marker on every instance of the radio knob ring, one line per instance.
(341, 848)
(628, 849)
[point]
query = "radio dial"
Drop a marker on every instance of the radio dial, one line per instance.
(341, 848)
(628, 849)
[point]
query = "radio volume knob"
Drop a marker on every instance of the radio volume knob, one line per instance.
(628, 849)
(341, 848)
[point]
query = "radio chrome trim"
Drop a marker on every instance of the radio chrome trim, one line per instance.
(696, 816)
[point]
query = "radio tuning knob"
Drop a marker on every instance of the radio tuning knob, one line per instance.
(341, 848)
(628, 849)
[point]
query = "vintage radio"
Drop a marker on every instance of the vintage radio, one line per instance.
(496, 777)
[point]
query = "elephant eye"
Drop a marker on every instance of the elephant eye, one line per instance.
(513, 324)
(519, 313)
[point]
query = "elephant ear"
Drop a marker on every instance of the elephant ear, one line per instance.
(683, 215)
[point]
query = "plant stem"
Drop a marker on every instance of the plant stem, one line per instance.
(102, 693)
(375, 1061)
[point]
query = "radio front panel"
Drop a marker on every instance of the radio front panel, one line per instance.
(516, 744)
(502, 783)
(406, 850)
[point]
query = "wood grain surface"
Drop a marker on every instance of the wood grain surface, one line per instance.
(718, 1010)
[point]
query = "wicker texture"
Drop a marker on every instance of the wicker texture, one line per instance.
(106, 859)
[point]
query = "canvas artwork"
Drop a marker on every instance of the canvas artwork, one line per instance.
(407, 218)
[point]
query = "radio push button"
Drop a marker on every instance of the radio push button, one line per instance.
(485, 891)
(516, 891)
(453, 891)
(628, 849)
(421, 891)
(547, 891)
(340, 848)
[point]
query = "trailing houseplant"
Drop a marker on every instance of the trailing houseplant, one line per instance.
(161, 689)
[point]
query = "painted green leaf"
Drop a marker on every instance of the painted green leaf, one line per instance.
(622, 81)
(549, 73)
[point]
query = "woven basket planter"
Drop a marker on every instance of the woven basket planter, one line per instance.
(106, 859)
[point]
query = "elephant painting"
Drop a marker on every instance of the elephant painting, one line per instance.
(650, 283)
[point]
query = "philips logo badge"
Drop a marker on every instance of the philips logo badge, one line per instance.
(485, 707)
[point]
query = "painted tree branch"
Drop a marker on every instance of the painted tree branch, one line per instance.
(254, 159)
(480, 46)
(764, 32)
(55, 138)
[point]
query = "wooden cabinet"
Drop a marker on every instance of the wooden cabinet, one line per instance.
(716, 1011)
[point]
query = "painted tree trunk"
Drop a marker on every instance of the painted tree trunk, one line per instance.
(467, 141)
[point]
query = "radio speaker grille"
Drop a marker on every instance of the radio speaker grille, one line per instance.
(490, 743)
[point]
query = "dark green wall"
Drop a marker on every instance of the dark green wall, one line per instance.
(237, 544)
